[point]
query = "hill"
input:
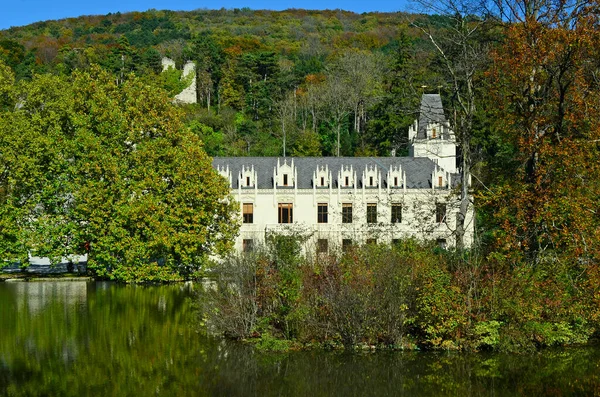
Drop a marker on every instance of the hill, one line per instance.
(254, 67)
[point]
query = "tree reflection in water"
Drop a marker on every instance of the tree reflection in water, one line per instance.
(77, 338)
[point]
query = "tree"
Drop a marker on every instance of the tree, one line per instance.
(112, 173)
(462, 48)
(284, 109)
(307, 144)
(548, 105)
(34, 196)
(209, 60)
(386, 129)
(338, 103)
(152, 60)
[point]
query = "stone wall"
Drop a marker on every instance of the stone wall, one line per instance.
(188, 95)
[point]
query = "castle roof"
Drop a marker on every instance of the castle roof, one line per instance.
(418, 170)
(431, 111)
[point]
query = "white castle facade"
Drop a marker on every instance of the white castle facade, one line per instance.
(337, 202)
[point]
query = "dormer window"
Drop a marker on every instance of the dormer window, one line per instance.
(434, 133)
(321, 176)
(247, 177)
(440, 181)
(285, 175)
(394, 177)
(225, 173)
(370, 177)
(347, 177)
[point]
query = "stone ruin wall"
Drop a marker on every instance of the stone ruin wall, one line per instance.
(188, 95)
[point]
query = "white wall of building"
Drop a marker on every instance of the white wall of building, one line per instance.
(418, 215)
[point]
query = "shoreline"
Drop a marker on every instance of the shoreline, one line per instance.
(33, 277)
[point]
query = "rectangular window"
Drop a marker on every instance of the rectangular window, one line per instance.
(285, 180)
(434, 133)
(396, 213)
(395, 241)
(347, 182)
(440, 212)
(439, 181)
(370, 181)
(347, 213)
(346, 244)
(322, 213)
(248, 212)
(248, 245)
(322, 181)
(371, 241)
(395, 181)
(247, 181)
(286, 213)
(372, 213)
(441, 242)
(322, 246)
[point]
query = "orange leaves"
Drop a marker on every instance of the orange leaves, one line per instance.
(314, 78)
(549, 105)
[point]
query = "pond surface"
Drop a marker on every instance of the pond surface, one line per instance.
(88, 338)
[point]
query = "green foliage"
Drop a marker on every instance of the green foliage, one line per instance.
(405, 296)
(173, 81)
(488, 333)
(108, 169)
(268, 343)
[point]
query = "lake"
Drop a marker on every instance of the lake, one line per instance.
(97, 338)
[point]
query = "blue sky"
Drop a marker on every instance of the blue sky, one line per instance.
(24, 12)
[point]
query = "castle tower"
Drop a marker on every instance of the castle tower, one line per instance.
(431, 136)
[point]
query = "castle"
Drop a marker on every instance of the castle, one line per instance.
(337, 202)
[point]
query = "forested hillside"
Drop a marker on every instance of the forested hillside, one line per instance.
(262, 75)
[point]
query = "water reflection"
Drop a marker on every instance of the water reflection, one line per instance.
(34, 296)
(61, 338)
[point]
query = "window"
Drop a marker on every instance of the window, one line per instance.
(370, 181)
(286, 213)
(322, 246)
(248, 212)
(247, 181)
(395, 181)
(371, 241)
(322, 213)
(440, 212)
(347, 213)
(347, 182)
(439, 181)
(372, 213)
(395, 241)
(248, 245)
(441, 242)
(285, 180)
(396, 213)
(346, 244)
(322, 181)
(433, 133)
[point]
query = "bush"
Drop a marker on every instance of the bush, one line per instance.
(408, 295)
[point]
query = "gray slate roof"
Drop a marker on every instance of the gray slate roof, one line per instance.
(418, 170)
(431, 111)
